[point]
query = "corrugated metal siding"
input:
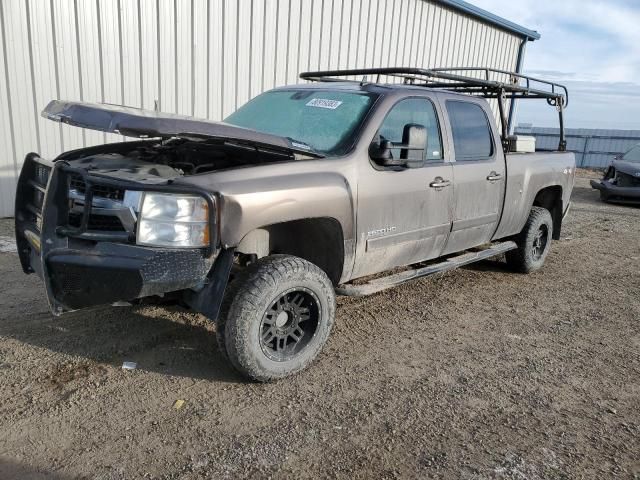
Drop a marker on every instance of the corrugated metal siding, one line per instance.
(204, 58)
(594, 148)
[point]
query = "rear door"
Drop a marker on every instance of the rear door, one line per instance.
(403, 214)
(479, 173)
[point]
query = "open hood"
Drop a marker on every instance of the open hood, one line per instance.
(136, 122)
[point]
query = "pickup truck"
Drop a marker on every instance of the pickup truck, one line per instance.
(259, 221)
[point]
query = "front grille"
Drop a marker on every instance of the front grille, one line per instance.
(105, 223)
(97, 222)
(113, 193)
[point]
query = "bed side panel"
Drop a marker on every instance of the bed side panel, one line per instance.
(527, 174)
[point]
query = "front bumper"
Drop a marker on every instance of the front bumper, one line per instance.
(615, 193)
(82, 268)
(109, 272)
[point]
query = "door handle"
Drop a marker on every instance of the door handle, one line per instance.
(439, 182)
(493, 176)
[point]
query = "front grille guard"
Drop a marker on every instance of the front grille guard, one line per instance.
(55, 208)
(92, 180)
(31, 190)
(43, 232)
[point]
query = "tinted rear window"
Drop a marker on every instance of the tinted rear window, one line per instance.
(470, 130)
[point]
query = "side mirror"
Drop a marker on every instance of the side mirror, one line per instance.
(414, 141)
(412, 149)
(381, 154)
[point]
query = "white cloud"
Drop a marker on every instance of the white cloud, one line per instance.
(591, 46)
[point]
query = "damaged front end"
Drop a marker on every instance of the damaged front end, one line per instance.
(121, 221)
(94, 239)
(620, 184)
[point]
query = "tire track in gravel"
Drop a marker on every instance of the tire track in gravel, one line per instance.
(476, 374)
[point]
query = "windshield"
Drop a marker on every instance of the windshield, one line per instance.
(632, 155)
(324, 120)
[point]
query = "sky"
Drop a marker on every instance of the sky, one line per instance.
(592, 47)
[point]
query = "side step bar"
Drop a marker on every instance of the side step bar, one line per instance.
(383, 283)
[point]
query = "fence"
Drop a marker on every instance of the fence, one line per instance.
(594, 148)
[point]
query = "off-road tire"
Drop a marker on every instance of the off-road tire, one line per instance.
(248, 298)
(524, 259)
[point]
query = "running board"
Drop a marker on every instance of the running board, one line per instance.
(383, 283)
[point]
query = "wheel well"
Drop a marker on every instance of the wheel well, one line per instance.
(318, 240)
(551, 199)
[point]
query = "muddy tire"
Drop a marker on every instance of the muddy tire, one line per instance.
(604, 197)
(533, 242)
(276, 317)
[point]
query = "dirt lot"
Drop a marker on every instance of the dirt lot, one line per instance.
(480, 373)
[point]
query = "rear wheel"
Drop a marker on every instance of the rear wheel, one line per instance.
(277, 317)
(533, 242)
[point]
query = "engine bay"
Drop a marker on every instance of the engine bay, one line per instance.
(156, 160)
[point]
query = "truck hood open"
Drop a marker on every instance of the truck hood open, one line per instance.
(136, 122)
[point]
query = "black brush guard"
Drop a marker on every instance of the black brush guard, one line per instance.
(81, 267)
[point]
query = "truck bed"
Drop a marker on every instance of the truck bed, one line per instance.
(528, 174)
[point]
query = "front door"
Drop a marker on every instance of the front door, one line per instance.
(404, 214)
(478, 173)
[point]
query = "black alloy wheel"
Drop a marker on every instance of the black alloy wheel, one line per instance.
(540, 242)
(289, 324)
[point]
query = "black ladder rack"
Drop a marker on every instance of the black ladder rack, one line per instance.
(469, 80)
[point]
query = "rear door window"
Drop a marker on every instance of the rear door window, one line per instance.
(472, 137)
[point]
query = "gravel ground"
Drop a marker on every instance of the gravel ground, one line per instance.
(479, 373)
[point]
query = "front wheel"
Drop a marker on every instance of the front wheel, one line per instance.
(277, 317)
(533, 242)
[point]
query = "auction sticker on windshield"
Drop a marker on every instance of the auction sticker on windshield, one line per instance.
(324, 103)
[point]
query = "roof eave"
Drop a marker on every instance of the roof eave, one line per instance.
(489, 17)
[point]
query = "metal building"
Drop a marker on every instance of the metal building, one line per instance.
(207, 57)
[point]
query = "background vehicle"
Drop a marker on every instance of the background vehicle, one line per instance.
(621, 181)
(299, 192)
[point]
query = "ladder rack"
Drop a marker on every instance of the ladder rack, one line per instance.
(480, 81)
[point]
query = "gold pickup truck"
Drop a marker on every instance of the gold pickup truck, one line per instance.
(259, 221)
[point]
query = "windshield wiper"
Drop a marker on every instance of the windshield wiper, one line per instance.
(300, 145)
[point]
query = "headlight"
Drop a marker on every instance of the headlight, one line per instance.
(168, 220)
